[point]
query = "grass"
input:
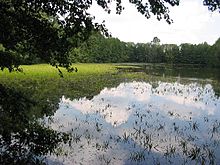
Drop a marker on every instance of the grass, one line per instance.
(43, 82)
(45, 70)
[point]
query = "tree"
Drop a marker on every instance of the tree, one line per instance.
(215, 54)
(100, 49)
(171, 51)
(23, 139)
(156, 41)
(212, 4)
(202, 53)
(43, 28)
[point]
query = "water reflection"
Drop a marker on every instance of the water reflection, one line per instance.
(139, 123)
(23, 140)
(184, 71)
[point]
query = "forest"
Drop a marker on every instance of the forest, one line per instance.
(101, 49)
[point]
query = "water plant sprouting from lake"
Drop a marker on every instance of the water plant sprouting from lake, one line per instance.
(138, 123)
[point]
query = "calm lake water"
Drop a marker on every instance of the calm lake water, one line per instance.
(143, 122)
(184, 72)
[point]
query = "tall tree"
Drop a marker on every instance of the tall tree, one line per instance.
(156, 41)
(215, 54)
(171, 51)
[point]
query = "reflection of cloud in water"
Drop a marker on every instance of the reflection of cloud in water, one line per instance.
(115, 104)
(134, 118)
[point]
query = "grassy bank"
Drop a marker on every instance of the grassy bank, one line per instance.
(45, 70)
(43, 81)
(43, 84)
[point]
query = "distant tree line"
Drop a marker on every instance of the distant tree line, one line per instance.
(99, 49)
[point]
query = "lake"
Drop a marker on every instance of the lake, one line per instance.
(143, 122)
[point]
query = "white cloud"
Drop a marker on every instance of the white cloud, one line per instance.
(193, 23)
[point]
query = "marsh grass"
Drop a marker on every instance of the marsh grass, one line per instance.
(42, 82)
(86, 73)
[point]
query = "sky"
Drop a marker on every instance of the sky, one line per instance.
(193, 23)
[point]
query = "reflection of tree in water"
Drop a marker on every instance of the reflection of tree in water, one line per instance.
(22, 138)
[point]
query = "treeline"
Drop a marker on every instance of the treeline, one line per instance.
(99, 49)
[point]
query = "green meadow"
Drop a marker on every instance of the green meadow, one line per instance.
(43, 81)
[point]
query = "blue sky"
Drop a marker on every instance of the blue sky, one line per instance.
(193, 23)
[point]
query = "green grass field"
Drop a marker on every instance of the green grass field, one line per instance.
(43, 82)
(45, 70)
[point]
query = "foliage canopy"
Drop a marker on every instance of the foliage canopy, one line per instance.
(41, 29)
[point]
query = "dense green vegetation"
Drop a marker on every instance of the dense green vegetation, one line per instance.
(43, 81)
(54, 32)
(47, 30)
(99, 49)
